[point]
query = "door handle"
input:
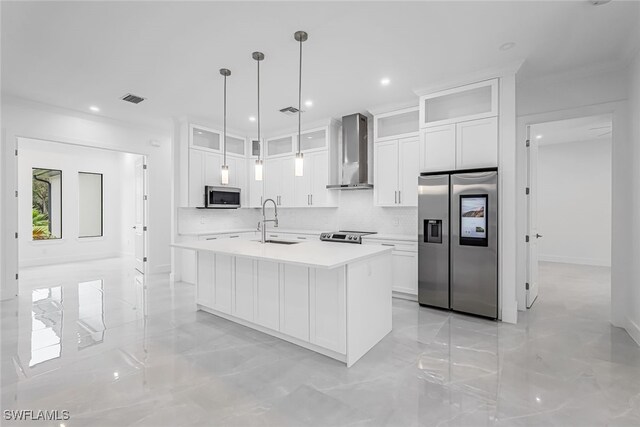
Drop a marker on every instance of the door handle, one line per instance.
(399, 197)
(311, 198)
(395, 197)
(308, 199)
(538, 236)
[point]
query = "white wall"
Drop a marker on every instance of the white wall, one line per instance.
(22, 118)
(574, 202)
(633, 299)
(118, 202)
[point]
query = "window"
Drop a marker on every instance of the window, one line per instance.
(89, 204)
(46, 204)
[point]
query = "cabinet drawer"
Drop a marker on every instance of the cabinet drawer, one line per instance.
(397, 245)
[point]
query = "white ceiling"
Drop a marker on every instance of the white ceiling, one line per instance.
(78, 54)
(580, 129)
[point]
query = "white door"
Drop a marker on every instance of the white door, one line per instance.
(140, 226)
(532, 202)
(408, 171)
(438, 148)
(385, 186)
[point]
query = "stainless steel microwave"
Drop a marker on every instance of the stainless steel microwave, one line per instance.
(221, 197)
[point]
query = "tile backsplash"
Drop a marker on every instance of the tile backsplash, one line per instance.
(355, 212)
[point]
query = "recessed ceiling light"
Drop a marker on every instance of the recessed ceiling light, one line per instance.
(308, 103)
(309, 137)
(94, 109)
(507, 46)
(385, 81)
(538, 136)
(252, 119)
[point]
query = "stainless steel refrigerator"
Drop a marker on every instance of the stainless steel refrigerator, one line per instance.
(458, 241)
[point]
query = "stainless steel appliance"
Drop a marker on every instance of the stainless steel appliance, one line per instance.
(221, 197)
(354, 171)
(345, 236)
(458, 241)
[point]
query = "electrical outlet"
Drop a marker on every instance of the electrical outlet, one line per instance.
(201, 220)
(396, 222)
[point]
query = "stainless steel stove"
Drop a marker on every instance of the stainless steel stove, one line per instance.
(345, 236)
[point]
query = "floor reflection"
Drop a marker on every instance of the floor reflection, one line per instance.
(46, 324)
(91, 324)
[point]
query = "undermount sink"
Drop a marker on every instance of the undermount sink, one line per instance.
(281, 242)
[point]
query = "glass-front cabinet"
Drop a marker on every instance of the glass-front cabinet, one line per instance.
(396, 124)
(280, 146)
(205, 138)
(235, 145)
(469, 102)
(312, 140)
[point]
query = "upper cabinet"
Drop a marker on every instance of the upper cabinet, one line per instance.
(236, 145)
(205, 138)
(313, 140)
(396, 124)
(396, 172)
(470, 102)
(280, 146)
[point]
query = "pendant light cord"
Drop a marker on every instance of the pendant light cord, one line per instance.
(259, 141)
(299, 95)
(224, 121)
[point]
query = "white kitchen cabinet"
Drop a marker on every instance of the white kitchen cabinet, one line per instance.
(223, 283)
(385, 181)
(279, 180)
(244, 289)
(396, 172)
(469, 102)
(464, 145)
(212, 165)
(438, 148)
(204, 138)
(205, 292)
(267, 307)
(294, 301)
(196, 178)
(477, 143)
(405, 272)
(396, 124)
(313, 140)
(280, 146)
(238, 177)
(310, 190)
(328, 315)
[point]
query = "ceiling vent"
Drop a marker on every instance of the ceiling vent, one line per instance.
(290, 111)
(134, 99)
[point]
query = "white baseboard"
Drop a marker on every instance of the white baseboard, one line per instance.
(633, 330)
(404, 295)
(573, 260)
(52, 260)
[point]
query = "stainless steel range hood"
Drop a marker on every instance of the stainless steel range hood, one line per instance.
(354, 172)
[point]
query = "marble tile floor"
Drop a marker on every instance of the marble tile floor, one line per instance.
(99, 341)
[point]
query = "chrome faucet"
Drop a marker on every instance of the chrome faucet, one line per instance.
(262, 225)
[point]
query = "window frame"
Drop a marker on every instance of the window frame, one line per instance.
(57, 239)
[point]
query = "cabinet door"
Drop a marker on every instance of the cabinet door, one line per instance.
(196, 178)
(294, 302)
(302, 184)
(385, 184)
(212, 163)
(204, 289)
(405, 272)
(287, 175)
(328, 314)
(408, 171)
(267, 294)
(223, 283)
(244, 291)
(256, 188)
(238, 177)
(271, 178)
(438, 148)
(319, 163)
(477, 143)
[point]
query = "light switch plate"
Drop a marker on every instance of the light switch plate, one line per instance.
(396, 221)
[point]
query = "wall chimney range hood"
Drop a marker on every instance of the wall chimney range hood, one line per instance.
(354, 172)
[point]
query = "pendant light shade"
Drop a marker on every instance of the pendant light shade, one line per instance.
(258, 56)
(301, 37)
(224, 170)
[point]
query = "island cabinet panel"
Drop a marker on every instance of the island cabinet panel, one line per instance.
(267, 297)
(223, 283)
(294, 301)
(244, 292)
(205, 279)
(328, 315)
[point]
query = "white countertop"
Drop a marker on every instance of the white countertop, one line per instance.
(313, 254)
(271, 229)
(383, 236)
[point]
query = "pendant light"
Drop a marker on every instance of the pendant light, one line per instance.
(300, 37)
(258, 56)
(224, 170)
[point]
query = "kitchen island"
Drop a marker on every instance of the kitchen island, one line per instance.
(332, 298)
